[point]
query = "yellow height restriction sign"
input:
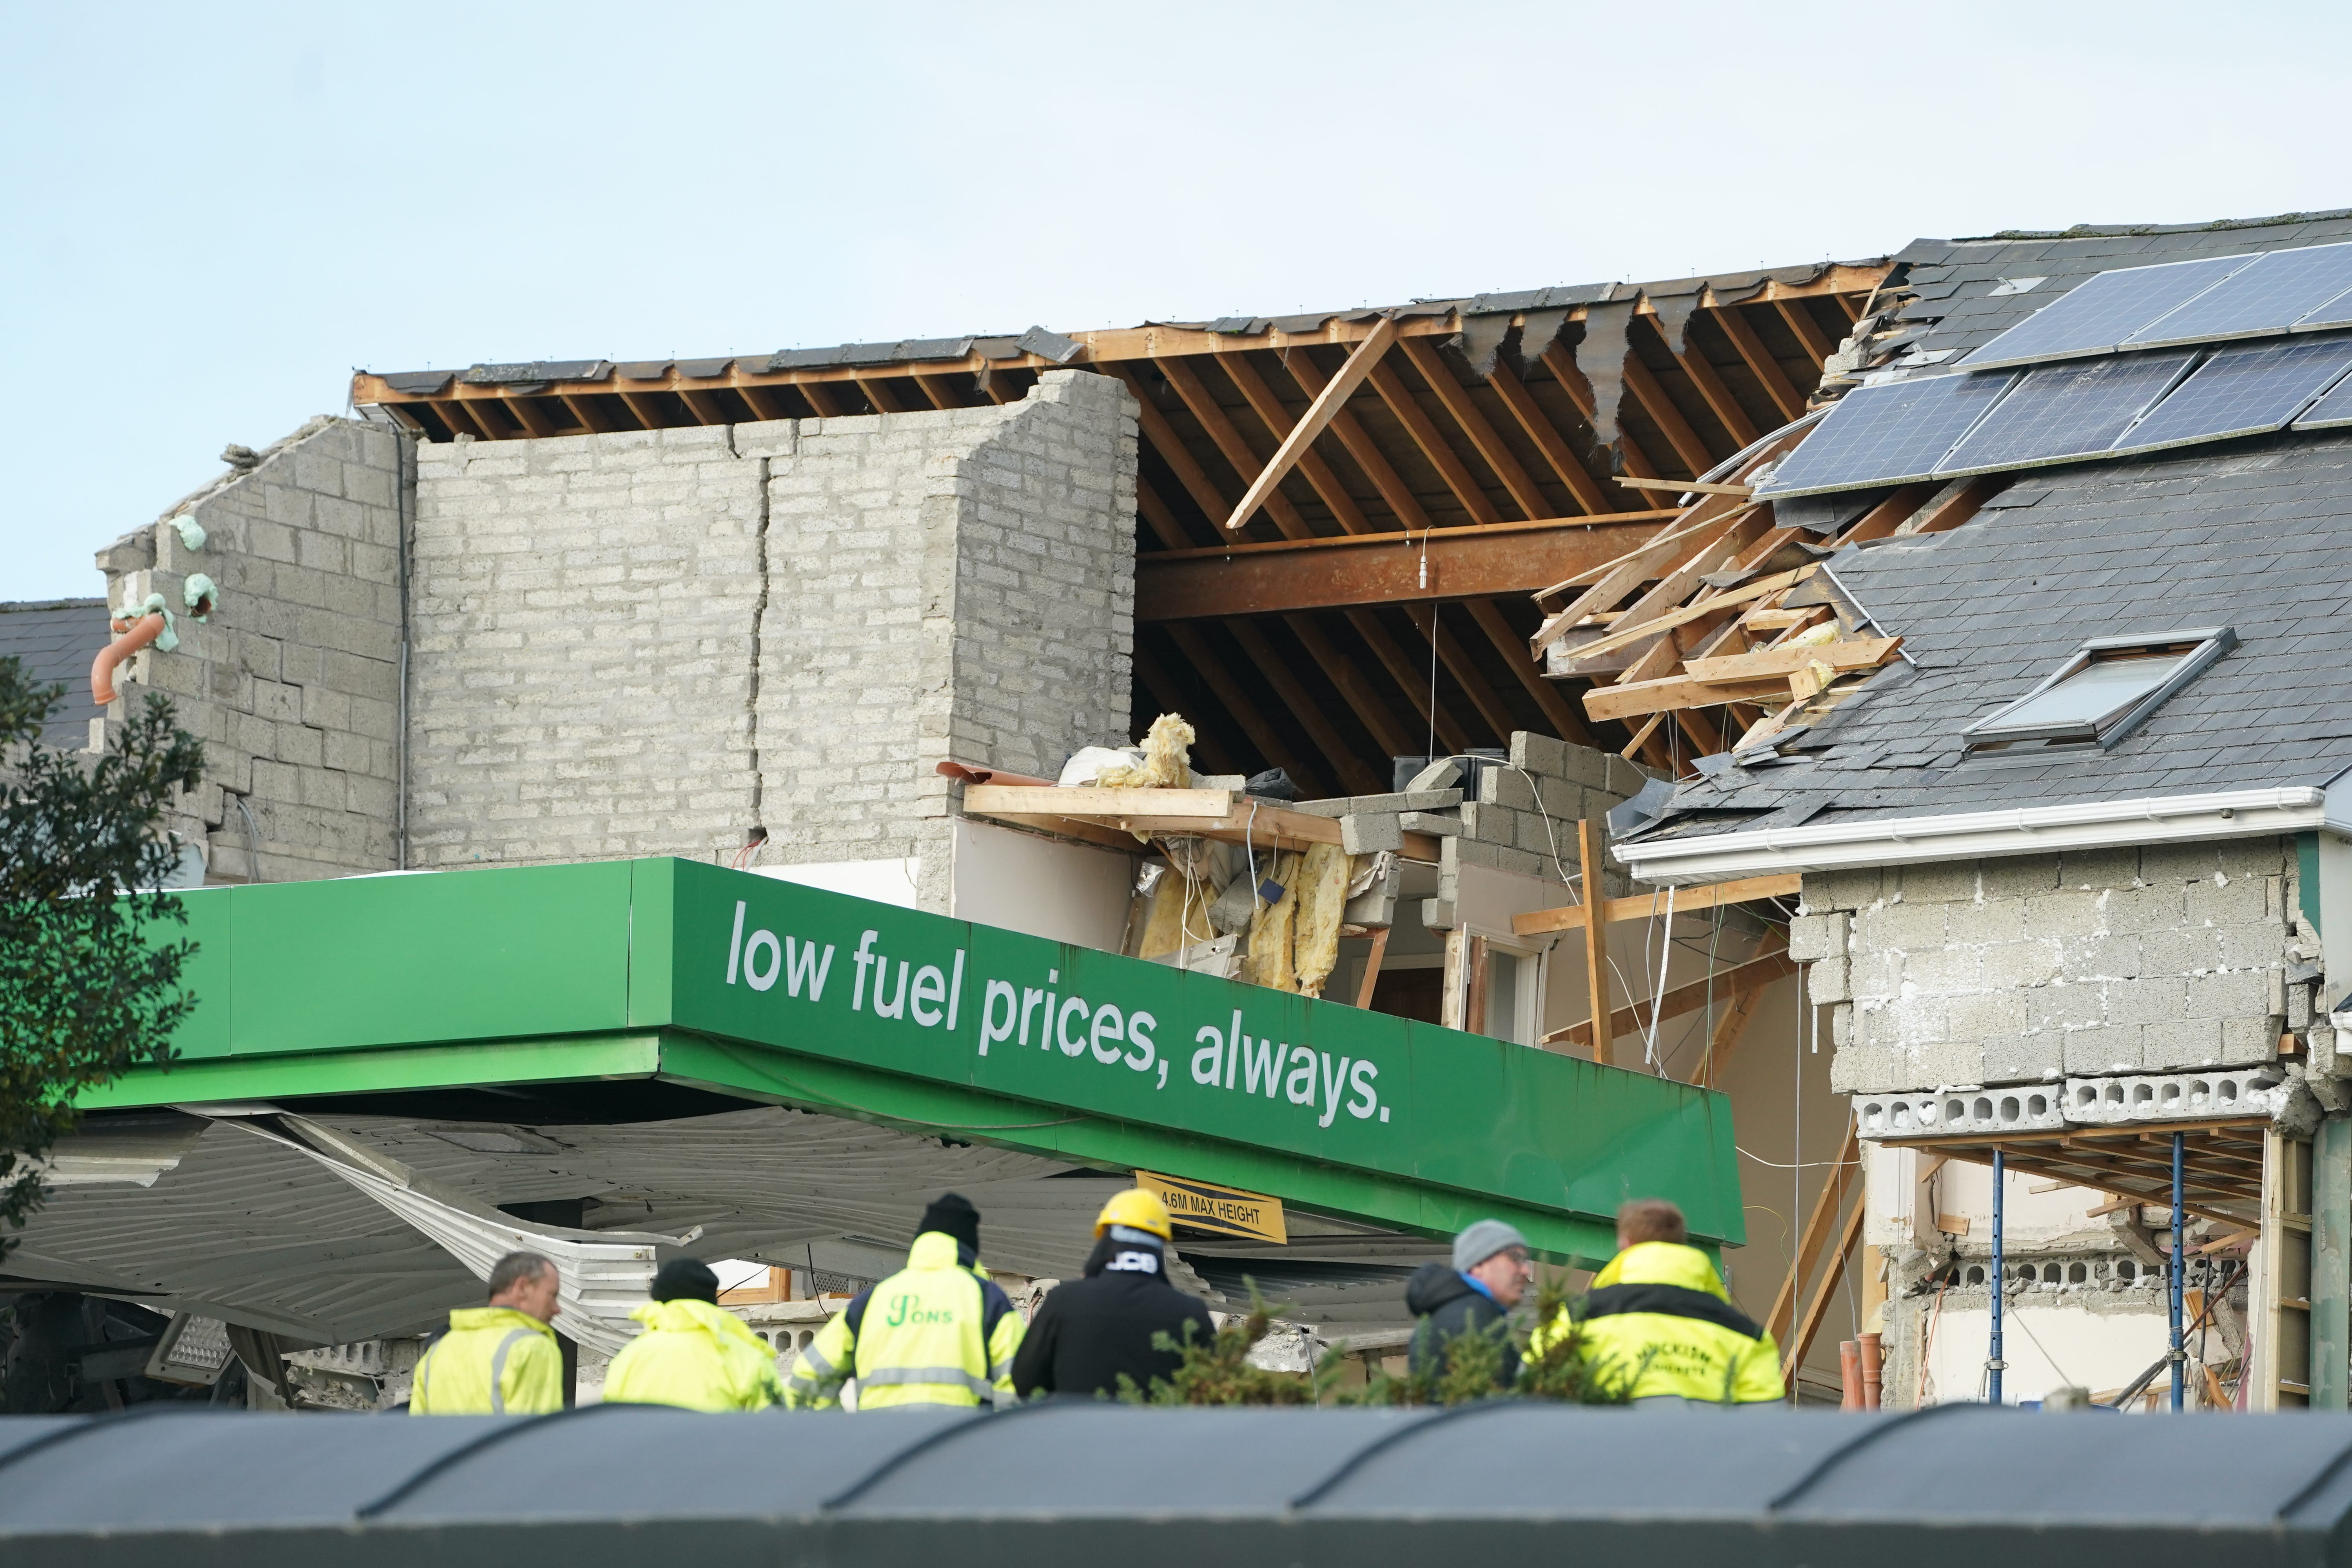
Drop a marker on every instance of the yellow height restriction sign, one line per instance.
(1222, 1211)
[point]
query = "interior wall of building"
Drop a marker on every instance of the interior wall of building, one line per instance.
(671, 642)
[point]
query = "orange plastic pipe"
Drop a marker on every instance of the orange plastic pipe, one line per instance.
(145, 631)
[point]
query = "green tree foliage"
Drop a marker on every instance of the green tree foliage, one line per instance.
(1469, 1367)
(86, 991)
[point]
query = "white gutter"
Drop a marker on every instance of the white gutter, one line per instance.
(2031, 830)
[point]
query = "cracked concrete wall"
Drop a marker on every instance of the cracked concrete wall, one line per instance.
(648, 643)
(2027, 969)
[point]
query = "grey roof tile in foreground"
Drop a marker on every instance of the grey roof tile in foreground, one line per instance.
(1060, 1482)
(2114, 549)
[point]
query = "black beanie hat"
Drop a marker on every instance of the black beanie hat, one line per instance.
(954, 1214)
(685, 1279)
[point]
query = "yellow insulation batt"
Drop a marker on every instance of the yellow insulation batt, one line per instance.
(1321, 895)
(1180, 916)
(1269, 963)
(1166, 762)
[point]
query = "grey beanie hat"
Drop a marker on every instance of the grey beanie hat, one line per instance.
(1482, 1241)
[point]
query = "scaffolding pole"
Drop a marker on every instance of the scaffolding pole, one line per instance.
(2180, 1273)
(1994, 1364)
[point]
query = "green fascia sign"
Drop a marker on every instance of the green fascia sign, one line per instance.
(780, 994)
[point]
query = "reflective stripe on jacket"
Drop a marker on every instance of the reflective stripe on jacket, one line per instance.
(494, 1361)
(1661, 1307)
(694, 1355)
(936, 1332)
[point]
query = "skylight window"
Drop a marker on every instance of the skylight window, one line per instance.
(2100, 694)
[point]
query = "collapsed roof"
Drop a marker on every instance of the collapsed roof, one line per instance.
(1475, 463)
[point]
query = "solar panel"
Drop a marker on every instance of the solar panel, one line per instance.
(2269, 294)
(2242, 391)
(1887, 434)
(2064, 411)
(2331, 411)
(2099, 314)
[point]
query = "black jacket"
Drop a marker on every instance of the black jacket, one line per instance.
(1089, 1331)
(1448, 1305)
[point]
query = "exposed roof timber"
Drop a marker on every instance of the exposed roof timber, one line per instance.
(1299, 436)
(1097, 348)
(1381, 568)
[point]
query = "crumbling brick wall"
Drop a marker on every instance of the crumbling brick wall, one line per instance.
(650, 643)
(2035, 968)
(293, 684)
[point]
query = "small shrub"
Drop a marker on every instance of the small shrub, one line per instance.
(1469, 1367)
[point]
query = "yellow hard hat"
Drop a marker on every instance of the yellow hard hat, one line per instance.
(1136, 1210)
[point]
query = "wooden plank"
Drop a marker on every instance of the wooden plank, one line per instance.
(1760, 363)
(1677, 547)
(1160, 518)
(1823, 1294)
(1370, 707)
(1091, 800)
(1412, 679)
(1719, 396)
(1941, 516)
(1170, 447)
(1077, 828)
(1549, 441)
(1384, 568)
(829, 402)
(1465, 674)
(1565, 723)
(883, 396)
(1596, 941)
(1319, 413)
(1319, 474)
(1673, 589)
(1801, 321)
(1372, 969)
(1686, 998)
(1691, 486)
(590, 412)
(1726, 1038)
(1655, 402)
(1423, 431)
(1747, 594)
(1848, 653)
(1230, 443)
(1485, 440)
(1271, 742)
(1359, 445)
(1845, 1171)
(1641, 906)
(1677, 694)
(1275, 672)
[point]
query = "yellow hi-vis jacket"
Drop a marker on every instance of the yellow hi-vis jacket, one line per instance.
(936, 1332)
(1665, 1301)
(696, 1355)
(494, 1361)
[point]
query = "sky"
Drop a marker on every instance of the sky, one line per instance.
(210, 216)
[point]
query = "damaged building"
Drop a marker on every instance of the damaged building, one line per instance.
(1868, 702)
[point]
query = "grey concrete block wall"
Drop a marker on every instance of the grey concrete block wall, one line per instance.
(293, 684)
(634, 644)
(2036, 968)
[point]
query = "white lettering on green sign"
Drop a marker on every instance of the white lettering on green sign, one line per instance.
(1080, 1028)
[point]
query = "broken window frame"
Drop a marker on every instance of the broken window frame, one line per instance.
(2192, 651)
